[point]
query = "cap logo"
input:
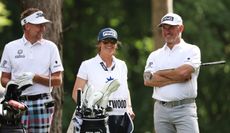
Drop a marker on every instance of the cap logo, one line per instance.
(39, 14)
(109, 33)
(168, 18)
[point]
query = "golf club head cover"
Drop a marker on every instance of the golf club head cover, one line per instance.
(87, 92)
(94, 99)
(12, 91)
(109, 88)
(101, 97)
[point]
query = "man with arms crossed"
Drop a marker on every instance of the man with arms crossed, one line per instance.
(172, 71)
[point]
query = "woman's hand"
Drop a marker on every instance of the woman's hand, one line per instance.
(131, 113)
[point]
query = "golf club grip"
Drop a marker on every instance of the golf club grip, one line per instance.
(79, 97)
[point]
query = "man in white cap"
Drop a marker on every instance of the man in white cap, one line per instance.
(32, 59)
(172, 71)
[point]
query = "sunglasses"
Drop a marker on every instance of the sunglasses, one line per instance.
(107, 41)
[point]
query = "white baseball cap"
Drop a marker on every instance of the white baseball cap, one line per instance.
(171, 19)
(35, 18)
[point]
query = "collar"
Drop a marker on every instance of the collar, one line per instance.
(179, 45)
(26, 42)
(103, 64)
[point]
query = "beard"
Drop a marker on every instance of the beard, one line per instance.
(172, 39)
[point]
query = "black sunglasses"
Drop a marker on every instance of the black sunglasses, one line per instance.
(107, 41)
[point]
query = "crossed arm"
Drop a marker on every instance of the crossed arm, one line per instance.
(170, 76)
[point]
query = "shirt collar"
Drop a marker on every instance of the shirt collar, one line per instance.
(99, 60)
(179, 45)
(98, 57)
(25, 41)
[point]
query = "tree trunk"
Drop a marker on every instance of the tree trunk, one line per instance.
(53, 11)
(159, 9)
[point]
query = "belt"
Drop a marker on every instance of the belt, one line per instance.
(34, 97)
(177, 103)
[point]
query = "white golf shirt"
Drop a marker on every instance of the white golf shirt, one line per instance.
(97, 74)
(40, 58)
(166, 58)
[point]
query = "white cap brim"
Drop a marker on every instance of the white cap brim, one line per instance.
(35, 18)
(40, 21)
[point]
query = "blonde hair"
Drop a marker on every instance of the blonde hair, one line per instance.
(28, 12)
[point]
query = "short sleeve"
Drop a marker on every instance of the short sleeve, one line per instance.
(5, 61)
(149, 67)
(82, 72)
(195, 58)
(56, 64)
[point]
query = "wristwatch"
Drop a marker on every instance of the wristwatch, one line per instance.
(147, 75)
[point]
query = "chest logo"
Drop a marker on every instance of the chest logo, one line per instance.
(20, 54)
(109, 79)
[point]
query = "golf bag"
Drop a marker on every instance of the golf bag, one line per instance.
(91, 125)
(96, 121)
(92, 115)
(11, 109)
(89, 120)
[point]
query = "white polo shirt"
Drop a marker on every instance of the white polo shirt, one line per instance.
(97, 74)
(40, 58)
(166, 58)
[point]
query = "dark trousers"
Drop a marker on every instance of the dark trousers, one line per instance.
(118, 124)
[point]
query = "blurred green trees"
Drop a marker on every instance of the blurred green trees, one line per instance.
(4, 13)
